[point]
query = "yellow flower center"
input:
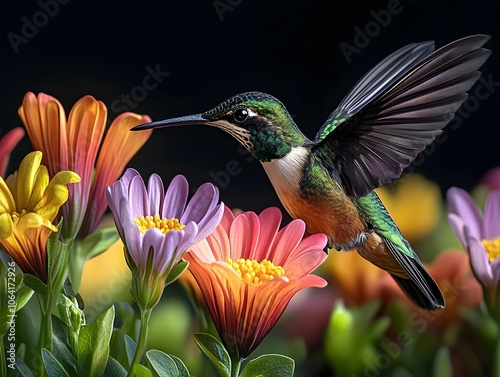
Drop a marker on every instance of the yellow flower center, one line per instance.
(165, 225)
(492, 248)
(255, 272)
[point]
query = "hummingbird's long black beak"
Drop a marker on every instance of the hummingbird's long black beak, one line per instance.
(172, 122)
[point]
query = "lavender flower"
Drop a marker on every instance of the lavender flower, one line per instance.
(480, 236)
(157, 227)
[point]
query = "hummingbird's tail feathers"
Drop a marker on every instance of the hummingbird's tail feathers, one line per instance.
(372, 138)
(420, 287)
(416, 295)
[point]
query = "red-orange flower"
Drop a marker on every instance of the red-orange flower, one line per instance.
(75, 144)
(248, 270)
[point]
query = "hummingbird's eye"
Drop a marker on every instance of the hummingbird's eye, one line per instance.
(240, 115)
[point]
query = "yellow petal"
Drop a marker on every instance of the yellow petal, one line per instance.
(56, 194)
(40, 184)
(26, 178)
(5, 225)
(7, 203)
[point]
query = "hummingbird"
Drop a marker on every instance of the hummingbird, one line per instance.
(390, 115)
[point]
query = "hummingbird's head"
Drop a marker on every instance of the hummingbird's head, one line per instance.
(257, 120)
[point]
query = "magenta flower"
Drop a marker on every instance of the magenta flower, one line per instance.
(480, 236)
(157, 227)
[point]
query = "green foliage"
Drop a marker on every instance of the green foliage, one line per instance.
(269, 366)
(215, 352)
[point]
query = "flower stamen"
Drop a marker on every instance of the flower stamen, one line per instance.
(492, 248)
(16, 215)
(163, 224)
(255, 272)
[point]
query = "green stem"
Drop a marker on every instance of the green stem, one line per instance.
(141, 344)
(45, 339)
(495, 370)
(235, 365)
(3, 362)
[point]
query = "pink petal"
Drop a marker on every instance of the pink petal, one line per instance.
(210, 222)
(287, 241)
(491, 225)
(153, 238)
(461, 203)
(270, 221)
(244, 235)
(175, 198)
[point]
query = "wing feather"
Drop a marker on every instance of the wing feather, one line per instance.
(396, 110)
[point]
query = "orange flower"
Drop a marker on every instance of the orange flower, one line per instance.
(7, 143)
(248, 271)
(74, 144)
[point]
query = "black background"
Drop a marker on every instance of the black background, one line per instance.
(290, 49)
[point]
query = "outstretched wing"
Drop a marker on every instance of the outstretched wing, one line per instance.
(396, 110)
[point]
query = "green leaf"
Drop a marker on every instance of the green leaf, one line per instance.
(162, 363)
(269, 366)
(36, 284)
(215, 352)
(130, 348)
(142, 371)
(114, 369)
(60, 350)
(442, 363)
(93, 344)
(176, 272)
(22, 369)
(52, 366)
(23, 295)
(90, 247)
(57, 262)
(183, 370)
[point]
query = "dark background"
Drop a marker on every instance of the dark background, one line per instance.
(212, 50)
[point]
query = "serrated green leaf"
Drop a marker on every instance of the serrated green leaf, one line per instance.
(269, 366)
(114, 369)
(162, 363)
(52, 366)
(215, 352)
(93, 344)
(442, 363)
(176, 272)
(142, 371)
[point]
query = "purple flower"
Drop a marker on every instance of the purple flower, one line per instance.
(157, 227)
(480, 236)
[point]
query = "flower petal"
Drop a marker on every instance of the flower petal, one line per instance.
(491, 225)
(244, 235)
(461, 203)
(155, 194)
(479, 260)
(287, 241)
(175, 198)
(203, 201)
(7, 144)
(458, 227)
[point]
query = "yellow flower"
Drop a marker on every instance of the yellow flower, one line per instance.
(415, 205)
(29, 202)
